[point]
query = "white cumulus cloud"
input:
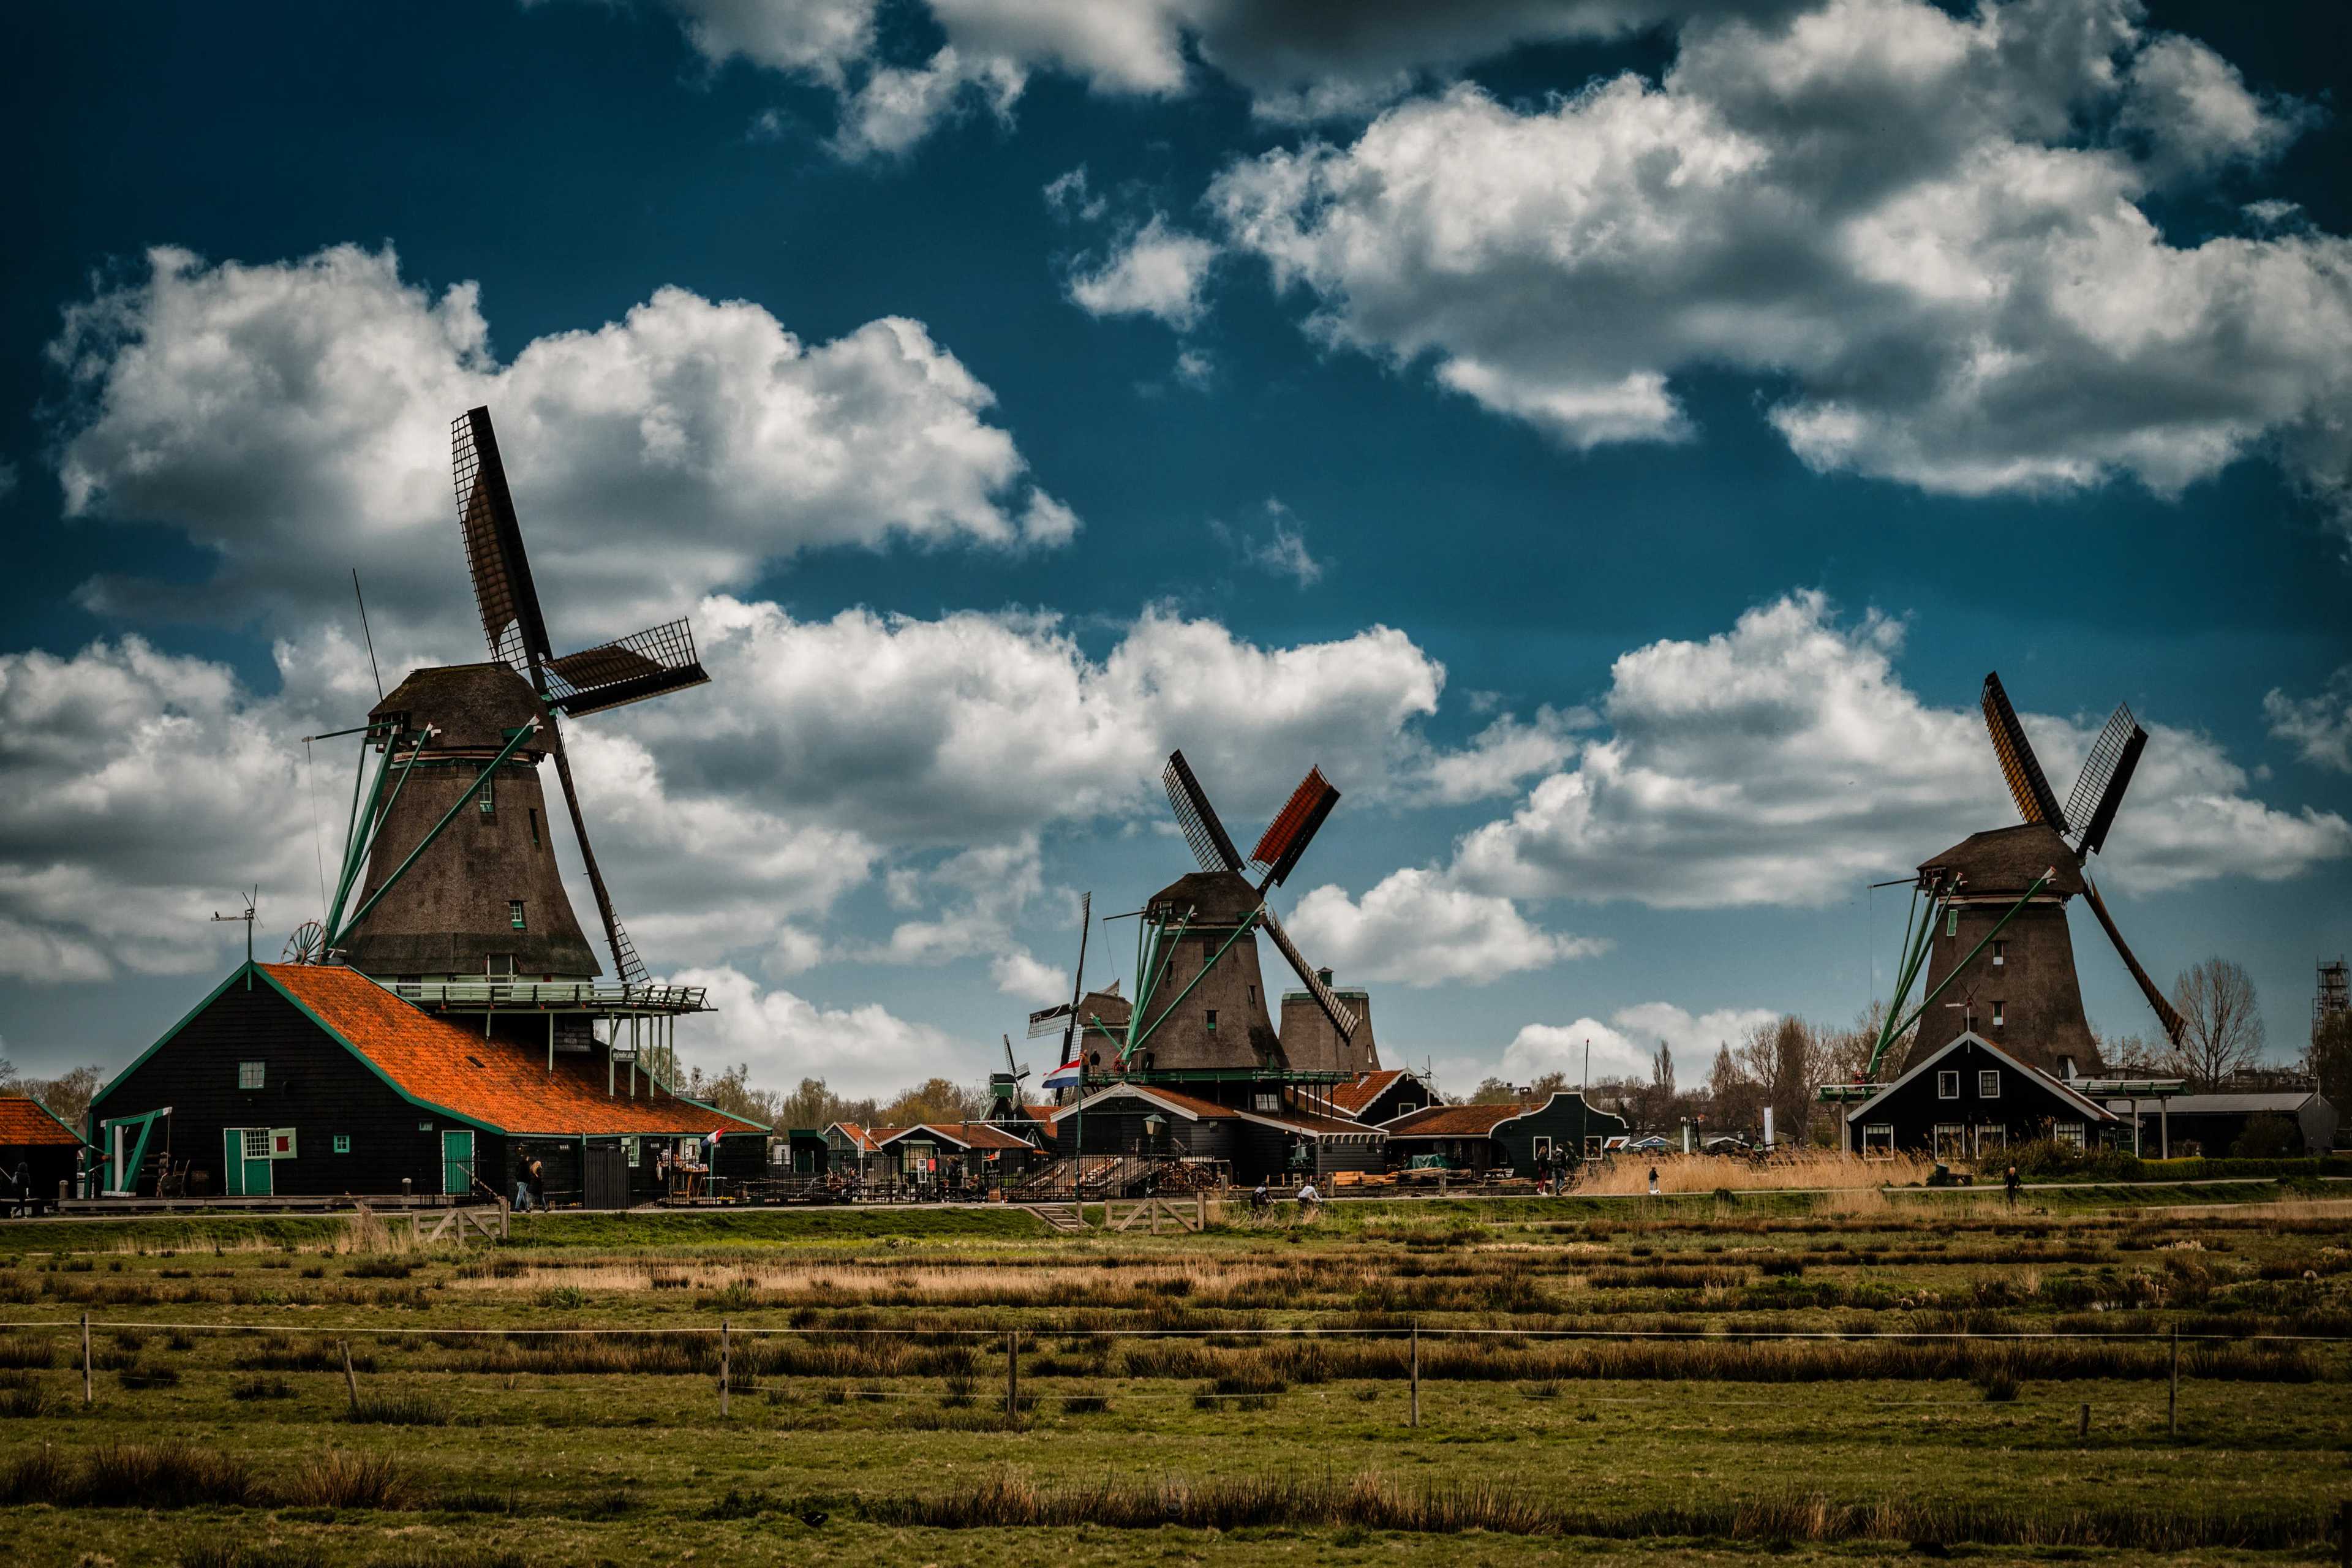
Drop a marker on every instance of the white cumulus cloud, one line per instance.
(1414, 927)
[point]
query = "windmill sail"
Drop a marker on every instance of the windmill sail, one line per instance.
(2165, 1013)
(2111, 792)
(1053, 1020)
(1211, 845)
(1342, 1017)
(503, 591)
(2019, 766)
(1286, 837)
(629, 670)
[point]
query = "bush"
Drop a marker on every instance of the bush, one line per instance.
(2268, 1137)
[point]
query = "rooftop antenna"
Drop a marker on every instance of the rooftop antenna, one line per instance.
(367, 634)
(251, 899)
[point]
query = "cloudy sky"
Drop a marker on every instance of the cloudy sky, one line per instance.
(1611, 437)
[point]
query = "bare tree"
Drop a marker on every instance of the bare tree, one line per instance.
(1786, 1059)
(2224, 1030)
(1735, 1099)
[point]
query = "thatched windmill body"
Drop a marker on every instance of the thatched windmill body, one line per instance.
(1990, 922)
(449, 869)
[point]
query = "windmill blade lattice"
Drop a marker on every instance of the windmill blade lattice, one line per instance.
(2036, 802)
(1343, 1017)
(2114, 769)
(503, 590)
(1213, 846)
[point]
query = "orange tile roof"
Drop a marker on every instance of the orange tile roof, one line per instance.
(24, 1121)
(858, 1136)
(1369, 1087)
(494, 1082)
(1454, 1121)
(971, 1134)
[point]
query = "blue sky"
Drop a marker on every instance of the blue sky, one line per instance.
(1613, 440)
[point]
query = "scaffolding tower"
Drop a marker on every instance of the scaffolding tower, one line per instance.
(2334, 997)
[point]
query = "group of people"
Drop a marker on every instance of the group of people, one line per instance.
(531, 1187)
(1309, 1201)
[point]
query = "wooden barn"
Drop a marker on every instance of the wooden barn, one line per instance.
(955, 1155)
(1969, 1100)
(38, 1152)
(2215, 1122)
(313, 1078)
(1519, 1137)
(1274, 1138)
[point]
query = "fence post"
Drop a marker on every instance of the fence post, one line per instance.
(88, 1392)
(1416, 1374)
(2172, 1400)
(351, 1378)
(2082, 1427)
(723, 1367)
(1013, 1376)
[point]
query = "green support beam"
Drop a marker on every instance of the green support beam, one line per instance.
(513, 744)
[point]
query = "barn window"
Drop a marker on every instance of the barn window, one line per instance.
(486, 799)
(2000, 1014)
(257, 1143)
(249, 1075)
(1213, 1020)
(1999, 954)
(1267, 1102)
(1948, 1086)
(343, 1142)
(514, 913)
(2069, 1134)
(1878, 1140)
(1951, 1140)
(1989, 1084)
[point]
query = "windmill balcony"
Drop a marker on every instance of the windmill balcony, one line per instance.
(551, 997)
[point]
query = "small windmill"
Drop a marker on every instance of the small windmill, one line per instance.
(628, 669)
(2007, 889)
(1213, 910)
(1004, 1087)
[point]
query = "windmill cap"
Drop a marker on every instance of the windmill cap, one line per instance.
(473, 705)
(1215, 898)
(2010, 860)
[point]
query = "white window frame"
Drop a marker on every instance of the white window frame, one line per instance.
(2000, 955)
(1263, 1103)
(253, 1074)
(1947, 1085)
(1990, 1139)
(1950, 1141)
(254, 1142)
(1407, 1107)
(1878, 1140)
(2000, 1015)
(1542, 1147)
(2071, 1134)
(1989, 1083)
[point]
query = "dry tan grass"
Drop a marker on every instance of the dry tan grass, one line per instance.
(844, 1282)
(1797, 1169)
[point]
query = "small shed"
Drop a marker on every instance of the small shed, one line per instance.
(1969, 1100)
(38, 1152)
(955, 1155)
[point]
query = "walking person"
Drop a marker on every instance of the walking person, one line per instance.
(1654, 1181)
(2009, 1185)
(1308, 1201)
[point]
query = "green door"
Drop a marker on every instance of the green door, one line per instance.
(457, 1163)
(245, 1161)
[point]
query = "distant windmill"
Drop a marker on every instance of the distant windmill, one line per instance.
(476, 732)
(1198, 1002)
(1995, 908)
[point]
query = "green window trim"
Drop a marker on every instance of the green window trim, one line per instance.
(487, 799)
(252, 1075)
(1951, 922)
(515, 914)
(343, 1142)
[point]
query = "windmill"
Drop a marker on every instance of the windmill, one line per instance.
(1004, 1087)
(1994, 908)
(1198, 1002)
(489, 900)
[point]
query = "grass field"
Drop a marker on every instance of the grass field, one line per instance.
(1704, 1378)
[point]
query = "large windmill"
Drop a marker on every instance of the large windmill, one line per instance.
(1989, 919)
(488, 898)
(1200, 1002)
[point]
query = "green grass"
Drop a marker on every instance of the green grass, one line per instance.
(1203, 1444)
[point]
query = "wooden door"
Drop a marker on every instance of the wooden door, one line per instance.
(457, 1163)
(245, 1161)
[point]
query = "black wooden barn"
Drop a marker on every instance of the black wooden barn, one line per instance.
(37, 1151)
(1968, 1101)
(1523, 1138)
(312, 1079)
(1273, 1139)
